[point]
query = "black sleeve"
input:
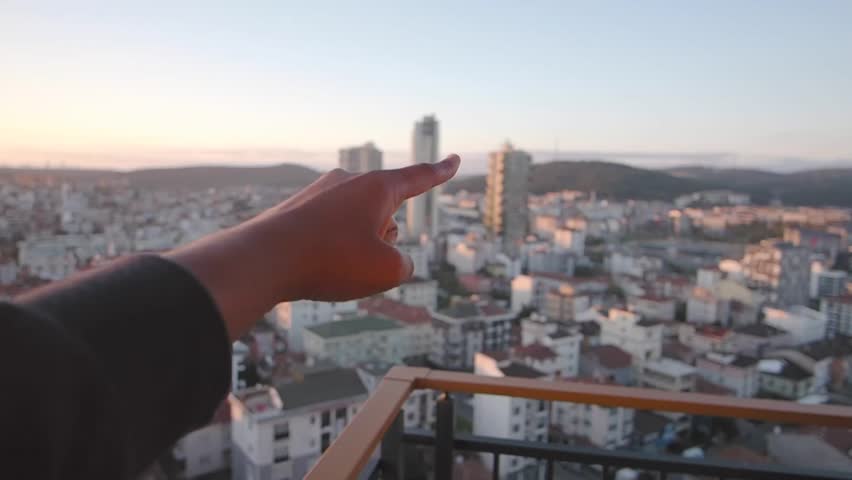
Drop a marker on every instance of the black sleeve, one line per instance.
(102, 373)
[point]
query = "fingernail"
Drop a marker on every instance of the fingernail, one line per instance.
(450, 164)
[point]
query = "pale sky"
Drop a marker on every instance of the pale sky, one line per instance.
(754, 78)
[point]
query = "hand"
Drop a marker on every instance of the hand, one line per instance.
(332, 241)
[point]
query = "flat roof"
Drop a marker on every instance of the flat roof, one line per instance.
(353, 326)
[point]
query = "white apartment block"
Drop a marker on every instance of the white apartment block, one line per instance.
(706, 338)
(838, 313)
(362, 159)
(603, 427)
(653, 307)
(570, 240)
(291, 318)
(207, 449)
(418, 411)
(465, 328)
(416, 291)
(642, 339)
(355, 340)
(509, 417)
(668, 374)
(419, 254)
(704, 308)
(737, 373)
(622, 263)
(540, 338)
(417, 321)
(467, 257)
(803, 324)
(280, 433)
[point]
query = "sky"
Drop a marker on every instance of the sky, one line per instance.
(126, 84)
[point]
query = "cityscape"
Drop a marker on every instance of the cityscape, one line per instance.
(707, 292)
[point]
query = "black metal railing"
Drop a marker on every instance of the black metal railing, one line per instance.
(444, 441)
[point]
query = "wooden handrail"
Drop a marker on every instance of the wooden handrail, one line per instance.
(349, 453)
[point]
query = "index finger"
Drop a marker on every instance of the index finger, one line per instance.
(412, 181)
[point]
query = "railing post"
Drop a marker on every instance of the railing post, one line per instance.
(444, 437)
(392, 457)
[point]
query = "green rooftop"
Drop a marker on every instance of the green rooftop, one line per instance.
(344, 328)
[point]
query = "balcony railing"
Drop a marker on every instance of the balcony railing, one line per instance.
(379, 422)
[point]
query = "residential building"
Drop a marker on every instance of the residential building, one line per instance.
(756, 339)
(668, 374)
(509, 417)
(828, 361)
(291, 318)
(782, 267)
(815, 240)
(281, 432)
(653, 307)
(356, 340)
(564, 306)
(422, 211)
(551, 347)
(416, 291)
(418, 411)
(643, 339)
(417, 321)
(838, 313)
(803, 324)
(570, 240)
(830, 283)
(784, 379)
(624, 263)
(467, 327)
(607, 362)
(706, 338)
(365, 158)
(737, 373)
(603, 427)
(551, 260)
(705, 308)
(531, 290)
(506, 212)
(419, 254)
(206, 450)
(467, 257)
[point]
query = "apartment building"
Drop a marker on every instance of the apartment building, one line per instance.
(467, 327)
(737, 373)
(803, 324)
(291, 318)
(279, 433)
(352, 341)
(642, 339)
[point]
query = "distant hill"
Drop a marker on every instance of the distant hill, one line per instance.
(607, 179)
(284, 175)
(809, 187)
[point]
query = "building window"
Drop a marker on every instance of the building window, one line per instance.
(340, 413)
(325, 442)
(516, 411)
(282, 456)
(326, 418)
(516, 428)
(282, 431)
(313, 419)
(541, 405)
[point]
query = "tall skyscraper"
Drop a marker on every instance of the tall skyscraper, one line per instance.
(506, 211)
(361, 159)
(422, 211)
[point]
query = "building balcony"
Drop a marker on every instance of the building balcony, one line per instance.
(373, 445)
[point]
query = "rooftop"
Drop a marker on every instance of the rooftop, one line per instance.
(386, 307)
(320, 387)
(610, 356)
(674, 368)
(516, 369)
(535, 351)
(353, 326)
(760, 330)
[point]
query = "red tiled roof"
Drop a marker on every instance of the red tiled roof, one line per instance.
(492, 309)
(389, 308)
(536, 351)
(611, 356)
(711, 331)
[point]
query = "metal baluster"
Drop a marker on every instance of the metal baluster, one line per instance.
(392, 455)
(444, 437)
(663, 475)
(608, 472)
(495, 467)
(548, 473)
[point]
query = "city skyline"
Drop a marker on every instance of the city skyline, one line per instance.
(753, 83)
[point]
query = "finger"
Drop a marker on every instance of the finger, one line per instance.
(390, 267)
(412, 181)
(391, 233)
